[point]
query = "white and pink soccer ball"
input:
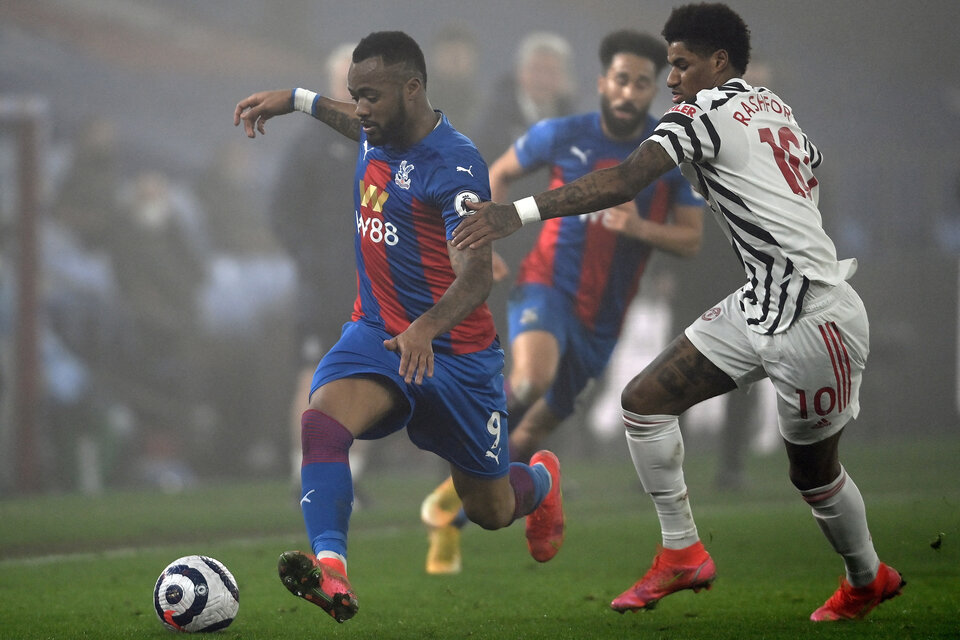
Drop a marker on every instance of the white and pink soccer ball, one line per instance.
(196, 593)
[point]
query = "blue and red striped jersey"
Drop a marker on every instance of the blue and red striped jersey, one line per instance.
(407, 203)
(599, 269)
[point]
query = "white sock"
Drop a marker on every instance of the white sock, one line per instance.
(839, 510)
(656, 447)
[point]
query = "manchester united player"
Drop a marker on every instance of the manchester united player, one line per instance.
(421, 351)
(796, 320)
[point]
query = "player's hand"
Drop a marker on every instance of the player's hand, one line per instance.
(491, 221)
(255, 110)
(624, 218)
(416, 353)
(500, 268)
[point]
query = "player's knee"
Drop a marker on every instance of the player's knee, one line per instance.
(637, 398)
(488, 514)
(810, 476)
(523, 444)
(528, 389)
(814, 465)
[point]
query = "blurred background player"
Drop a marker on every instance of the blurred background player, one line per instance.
(454, 61)
(573, 289)
(540, 85)
(310, 202)
(421, 351)
(796, 321)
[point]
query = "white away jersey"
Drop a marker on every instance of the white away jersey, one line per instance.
(742, 149)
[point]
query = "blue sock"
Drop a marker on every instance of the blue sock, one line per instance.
(327, 486)
(530, 486)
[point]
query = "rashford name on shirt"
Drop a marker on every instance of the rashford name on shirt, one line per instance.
(757, 102)
(753, 103)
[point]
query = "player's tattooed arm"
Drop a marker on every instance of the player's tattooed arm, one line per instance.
(474, 278)
(339, 116)
(595, 191)
(607, 188)
(255, 110)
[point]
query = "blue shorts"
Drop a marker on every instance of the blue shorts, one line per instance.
(583, 354)
(459, 413)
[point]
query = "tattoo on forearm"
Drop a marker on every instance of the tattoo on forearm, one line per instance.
(601, 189)
(608, 187)
(341, 122)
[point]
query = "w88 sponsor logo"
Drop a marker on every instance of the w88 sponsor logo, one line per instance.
(375, 230)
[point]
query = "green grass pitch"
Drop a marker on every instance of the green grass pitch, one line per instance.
(82, 567)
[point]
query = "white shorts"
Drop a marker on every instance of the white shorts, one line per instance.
(816, 365)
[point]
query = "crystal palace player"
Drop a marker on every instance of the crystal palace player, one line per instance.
(796, 320)
(576, 284)
(421, 350)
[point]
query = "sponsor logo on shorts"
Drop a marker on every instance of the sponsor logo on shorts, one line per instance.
(711, 314)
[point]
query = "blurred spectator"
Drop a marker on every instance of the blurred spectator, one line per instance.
(158, 249)
(452, 76)
(947, 222)
(78, 282)
(235, 215)
(245, 313)
(87, 201)
(541, 85)
(79, 303)
(312, 214)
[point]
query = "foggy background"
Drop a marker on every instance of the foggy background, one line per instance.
(151, 85)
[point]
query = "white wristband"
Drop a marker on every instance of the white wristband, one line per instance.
(528, 210)
(303, 100)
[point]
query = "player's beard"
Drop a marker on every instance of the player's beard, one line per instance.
(618, 126)
(391, 130)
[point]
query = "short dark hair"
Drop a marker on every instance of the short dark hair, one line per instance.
(395, 47)
(639, 44)
(708, 27)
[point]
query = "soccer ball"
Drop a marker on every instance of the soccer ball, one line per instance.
(196, 593)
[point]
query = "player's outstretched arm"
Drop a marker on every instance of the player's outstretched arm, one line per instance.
(681, 236)
(255, 110)
(598, 190)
